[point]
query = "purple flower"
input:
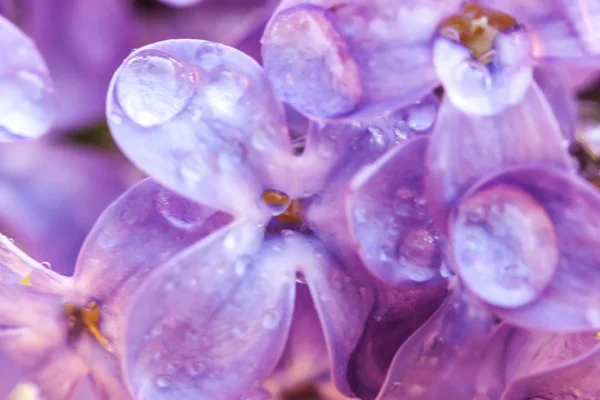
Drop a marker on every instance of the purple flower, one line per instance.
(213, 320)
(64, 334)
(26, 104)
(354, 59)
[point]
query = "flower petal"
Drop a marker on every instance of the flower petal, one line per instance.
(481, 89)
(201, 119)
(389, 218)
(83, 44)
(332, 60)
(561, 98)
(440, 360)
(464, 148)
(145, 227)
(554, 210)
(398, 314)
(523, 361)
(213, 321)
(52, 195)
(343, 302)
(26, 105)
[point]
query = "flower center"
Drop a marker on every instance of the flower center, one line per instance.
(476, 27)
(285, 210)
(86, 319)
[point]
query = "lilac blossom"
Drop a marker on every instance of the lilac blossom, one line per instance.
(213, 320)
(26, 105)
(334, 60)
(64, 334)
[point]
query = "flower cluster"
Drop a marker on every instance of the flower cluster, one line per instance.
(373, 199)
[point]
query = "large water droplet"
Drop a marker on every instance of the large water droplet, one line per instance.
(271, 319)
(153, 87)
(504, 245)
(420, 248)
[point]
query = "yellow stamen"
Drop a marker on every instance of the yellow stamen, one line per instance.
(87, 318)
(477, 27)
(26, 281)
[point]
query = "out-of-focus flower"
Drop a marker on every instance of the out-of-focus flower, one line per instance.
(26, 89)
(64, 334)
(223, 21)
(52, 195)
(83, 43)
(347, 60)
(213, 321)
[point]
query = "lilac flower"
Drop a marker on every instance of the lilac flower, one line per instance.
(82, 44)
(64, 334)
(52, 195)
(213, 320)
(26, 109)
(354, 59)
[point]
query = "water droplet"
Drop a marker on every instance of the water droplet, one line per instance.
(181, 213)
(153, 87)
(504, 245)
(277, 201)
(163, 381)
(46, 264)
(377, 136)
(12, 240)
(420, 247)
(421, 117)
(326, 147)
(192, 169)
(129, 216)
(107, 239)
(271, 319)
(209, 55)
(242, 264)
(230, 242)
(194, 368)
(408, 205)
(402, 130)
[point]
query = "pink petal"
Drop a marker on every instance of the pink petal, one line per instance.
(201, 119)
(27, 103)
(145, 227)
(213, 321)
(465, 148)
(389, 218)
(561, 97)
(561, 288)
(441, 359)
(334, 60)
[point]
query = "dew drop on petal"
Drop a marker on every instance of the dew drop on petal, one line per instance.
(402, 130)
(46, 264)
(163, 382)
(242, 264)
(153, 87)
(271, 319)
(421, 117)
(209, 55)
(504, 245)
